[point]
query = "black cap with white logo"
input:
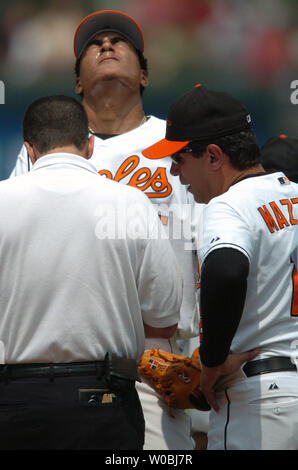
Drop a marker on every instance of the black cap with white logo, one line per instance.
(198, 116)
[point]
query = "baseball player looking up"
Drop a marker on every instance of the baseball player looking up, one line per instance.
(111, 76)
(249, 291)
(74, 302)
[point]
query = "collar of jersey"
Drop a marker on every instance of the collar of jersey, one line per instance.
(250, 175)
(63, 159)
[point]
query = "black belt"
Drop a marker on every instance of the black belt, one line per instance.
(113, 367)
(50, 370)
(272, 364)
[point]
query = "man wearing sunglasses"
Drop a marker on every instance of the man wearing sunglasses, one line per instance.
(249, 291)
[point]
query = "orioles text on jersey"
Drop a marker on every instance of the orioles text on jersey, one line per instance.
(154, 185)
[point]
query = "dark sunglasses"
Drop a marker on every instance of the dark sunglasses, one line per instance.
(176, 157)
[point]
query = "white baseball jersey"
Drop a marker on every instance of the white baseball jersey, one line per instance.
(70, 289)
(119, 158)
(259, 217)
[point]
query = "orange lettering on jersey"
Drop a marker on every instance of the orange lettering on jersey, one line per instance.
(281, 220)
(294, 306)
(295, 200)
(287, 202)
(142, 178)
(268, 218)
(106, 173)
(164, 219)
(160, 184)
(127, 167)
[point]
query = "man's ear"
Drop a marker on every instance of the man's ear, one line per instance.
(90, 147)
(215, 155)
(31, 152)
(78, 86)
(144, 78)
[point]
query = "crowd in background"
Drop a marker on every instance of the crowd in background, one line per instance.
(247, 48)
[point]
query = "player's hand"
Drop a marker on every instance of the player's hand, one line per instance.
(210, 375)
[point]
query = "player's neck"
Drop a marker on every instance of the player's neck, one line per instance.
(239, 175)
(113, 113)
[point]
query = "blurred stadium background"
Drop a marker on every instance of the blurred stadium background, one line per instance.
(248, 48)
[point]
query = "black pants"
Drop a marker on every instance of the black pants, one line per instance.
(73, 413)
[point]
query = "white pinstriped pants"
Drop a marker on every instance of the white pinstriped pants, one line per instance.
(257, 413)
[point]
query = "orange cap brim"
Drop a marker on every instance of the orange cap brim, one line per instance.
(164, 148)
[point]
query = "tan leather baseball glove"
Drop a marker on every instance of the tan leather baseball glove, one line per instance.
(175, 378)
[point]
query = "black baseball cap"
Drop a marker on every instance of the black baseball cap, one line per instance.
(198, 116)
(107, 20)
(280, 153)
